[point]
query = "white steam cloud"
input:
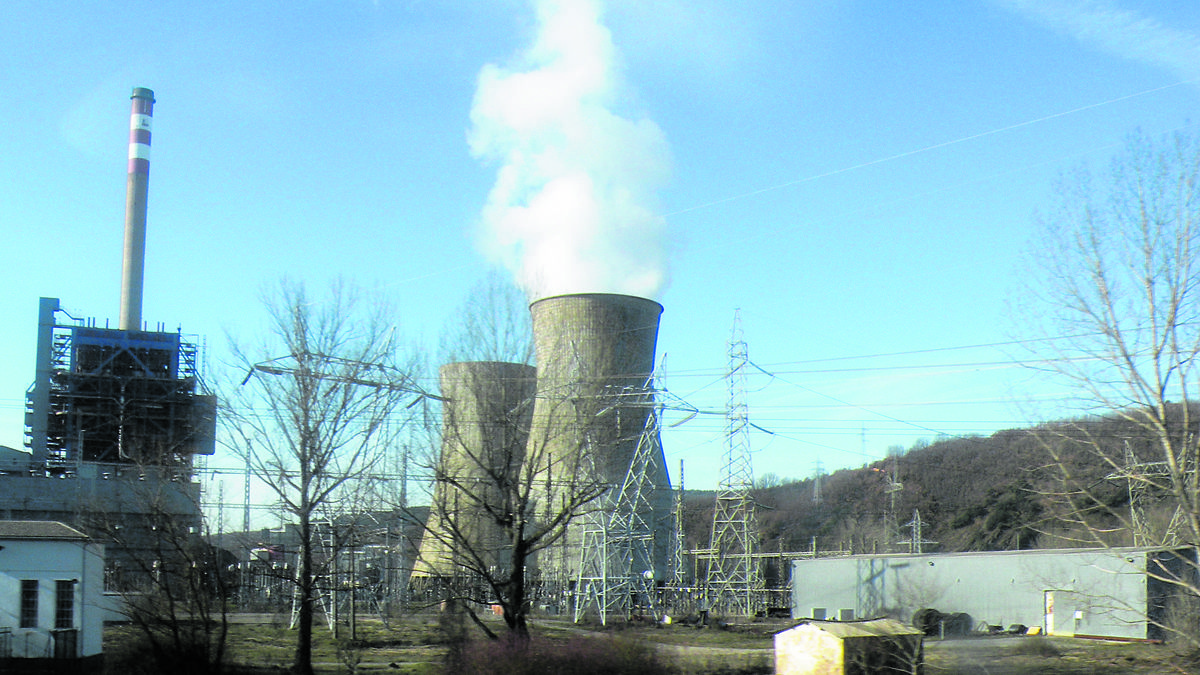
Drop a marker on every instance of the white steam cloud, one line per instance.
(573, 207)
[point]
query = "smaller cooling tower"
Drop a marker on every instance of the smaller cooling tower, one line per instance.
(485, 425)
(595, 356)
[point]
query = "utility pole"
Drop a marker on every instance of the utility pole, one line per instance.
(220, 513)
(246, 493)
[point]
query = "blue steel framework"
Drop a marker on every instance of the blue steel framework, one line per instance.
(116, 397)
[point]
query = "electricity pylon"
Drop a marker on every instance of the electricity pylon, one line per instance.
(891, 527)
(916, 542)
(616, 571)
(733, 583)
(1137, 475)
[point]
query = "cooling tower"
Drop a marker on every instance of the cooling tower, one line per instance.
(595, 355)
(485, 426)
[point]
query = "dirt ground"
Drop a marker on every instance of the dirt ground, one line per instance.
(1053, 656)
(749, 649)
(703, 651)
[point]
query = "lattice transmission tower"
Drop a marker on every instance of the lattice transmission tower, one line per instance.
(616, 571)
(678, 570)
(917, 540)
(1141, 477)
(734, 582)
(818, 472)
(891, 526)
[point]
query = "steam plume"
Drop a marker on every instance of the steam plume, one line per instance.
(573, 206)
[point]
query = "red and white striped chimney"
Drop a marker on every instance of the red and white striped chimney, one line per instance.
(136, 185)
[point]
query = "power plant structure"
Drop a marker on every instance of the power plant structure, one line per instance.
(486, 412)
(587, 435)
(595, 362)
(115, 416)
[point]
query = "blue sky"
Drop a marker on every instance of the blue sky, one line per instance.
(859, 178)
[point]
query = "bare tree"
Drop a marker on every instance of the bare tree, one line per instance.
(491, 325)
(486, 527)
(174, 586)
(1113, 299)
(490, 517)
(315, 414)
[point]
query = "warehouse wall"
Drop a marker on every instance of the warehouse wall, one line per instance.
(1101, 592)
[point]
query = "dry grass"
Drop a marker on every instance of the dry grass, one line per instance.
(1050, 655)
(415, 646)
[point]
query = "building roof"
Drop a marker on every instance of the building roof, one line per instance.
(38, 529)
(857, 629)
(13, 459)
(942, 555)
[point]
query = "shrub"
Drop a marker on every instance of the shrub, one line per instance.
(138, 654)
(1037, 645)
(1182, 624)
(579, 656)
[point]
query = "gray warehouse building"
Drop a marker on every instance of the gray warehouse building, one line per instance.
(1114, 593)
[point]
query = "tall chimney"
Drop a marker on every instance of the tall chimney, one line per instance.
(136, 185)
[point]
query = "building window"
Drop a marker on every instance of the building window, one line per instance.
(64, 604)
(29, 603)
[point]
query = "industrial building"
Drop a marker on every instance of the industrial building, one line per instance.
(52, 607)
(1112, 593)
(584, 419)
(115, 416)
(849, 648)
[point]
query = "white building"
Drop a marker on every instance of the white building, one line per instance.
(51, 592)
(1086, 592)
(853, 647)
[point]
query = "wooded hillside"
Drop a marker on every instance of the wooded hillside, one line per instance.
(973, 494)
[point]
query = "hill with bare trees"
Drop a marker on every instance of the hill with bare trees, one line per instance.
(995, 493)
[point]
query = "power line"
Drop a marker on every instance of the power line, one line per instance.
(847, 403)
(918, 151)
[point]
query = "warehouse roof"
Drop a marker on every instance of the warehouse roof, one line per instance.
(38, 529)
(856, 629)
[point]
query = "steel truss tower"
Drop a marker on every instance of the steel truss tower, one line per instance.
(891, 526)
(917, 541)
(1139, 477)
(616, 571)
(678, 572)
(734, 582)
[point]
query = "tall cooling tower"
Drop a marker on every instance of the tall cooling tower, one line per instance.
(595, 355)
(485, 425)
